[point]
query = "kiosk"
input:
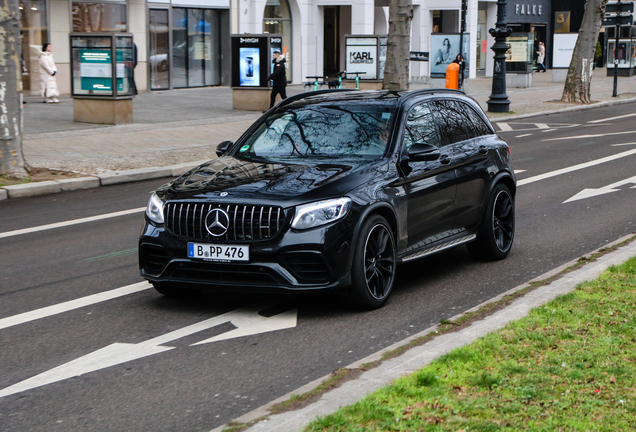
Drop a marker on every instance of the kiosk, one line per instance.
(102, 83)
(251, 65)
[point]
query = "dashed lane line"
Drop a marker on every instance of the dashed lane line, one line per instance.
(70, 222)
(72, 304)
(612, 118)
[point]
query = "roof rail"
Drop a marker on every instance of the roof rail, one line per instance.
(299, 96)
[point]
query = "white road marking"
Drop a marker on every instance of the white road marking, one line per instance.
(575, 167)
(542, 126)
(588, 193)
(590, 136)
(624, 144)
(118, 353)
(503, 127)
(520, 171)
(521, 136)
(612, 118)
(72, 304)
(71, 222)
(549, 130)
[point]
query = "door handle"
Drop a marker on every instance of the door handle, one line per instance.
(444, 159)
(483, 149)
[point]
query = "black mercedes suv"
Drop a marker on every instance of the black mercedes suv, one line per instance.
(331, 191)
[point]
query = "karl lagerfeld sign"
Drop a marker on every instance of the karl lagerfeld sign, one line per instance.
(362, 56)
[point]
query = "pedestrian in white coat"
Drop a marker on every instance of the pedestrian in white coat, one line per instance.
(48, 85)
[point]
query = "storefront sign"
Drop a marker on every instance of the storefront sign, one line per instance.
(528, 9)
(362, 56)
(562, 20)
(419, 56)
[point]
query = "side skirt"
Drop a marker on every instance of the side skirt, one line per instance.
(440, 247)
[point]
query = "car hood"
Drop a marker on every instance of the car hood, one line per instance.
(232, 179)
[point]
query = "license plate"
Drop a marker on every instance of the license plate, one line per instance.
(218, 252)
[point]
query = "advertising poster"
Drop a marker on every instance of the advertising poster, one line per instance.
(444, 49)
(362, 56)
(563, 49)
(96, 70)
(249, 67)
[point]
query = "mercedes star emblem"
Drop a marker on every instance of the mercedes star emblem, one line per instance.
(217, 222)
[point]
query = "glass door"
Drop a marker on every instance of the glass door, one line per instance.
(158, 57)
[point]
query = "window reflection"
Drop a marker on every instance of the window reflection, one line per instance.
(99, 17)
(420, 127)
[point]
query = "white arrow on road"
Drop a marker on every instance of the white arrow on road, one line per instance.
(588, 193)
(247, 320)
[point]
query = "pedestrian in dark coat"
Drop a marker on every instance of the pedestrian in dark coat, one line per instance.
(278, 78)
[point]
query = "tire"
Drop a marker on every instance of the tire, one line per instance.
(374, 265)
(497, 230)
(173, 291)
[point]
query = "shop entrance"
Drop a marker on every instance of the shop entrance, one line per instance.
(158, 57)
(540, 35)
(331, 53)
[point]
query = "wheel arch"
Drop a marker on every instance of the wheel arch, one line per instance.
(507, 179)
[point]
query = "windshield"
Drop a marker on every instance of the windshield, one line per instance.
(323, 130)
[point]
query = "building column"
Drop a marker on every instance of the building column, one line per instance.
(60, 27)
(137, 15)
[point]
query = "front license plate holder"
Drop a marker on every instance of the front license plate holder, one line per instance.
(219, 252)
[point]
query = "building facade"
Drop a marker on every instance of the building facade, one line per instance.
(186, 43)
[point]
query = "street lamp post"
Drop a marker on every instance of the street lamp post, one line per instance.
(498, 101)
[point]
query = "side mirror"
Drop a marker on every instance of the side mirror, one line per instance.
(419, 152)
(223, 147)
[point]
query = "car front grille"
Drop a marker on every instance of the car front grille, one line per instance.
(153, 259)
(246, 222)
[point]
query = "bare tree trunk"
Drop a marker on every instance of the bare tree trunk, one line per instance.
(11, 157)
(579, 79)
(396, 71)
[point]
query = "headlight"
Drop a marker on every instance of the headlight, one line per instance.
(320, 213)
(155, 209)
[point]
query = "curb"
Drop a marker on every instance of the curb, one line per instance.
(106, 179)
(417, 357)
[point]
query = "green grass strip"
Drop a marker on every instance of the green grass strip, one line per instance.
(569, 365)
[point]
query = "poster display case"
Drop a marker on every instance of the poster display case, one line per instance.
(625, 53)
(444, 50)
(102, 65)
(520, 54)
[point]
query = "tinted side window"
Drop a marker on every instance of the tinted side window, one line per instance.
(475, 124)
(420, 127)
(450, 119)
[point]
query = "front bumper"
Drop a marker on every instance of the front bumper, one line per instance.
(316, 259)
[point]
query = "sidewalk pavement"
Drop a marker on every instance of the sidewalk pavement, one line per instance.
(181, 128)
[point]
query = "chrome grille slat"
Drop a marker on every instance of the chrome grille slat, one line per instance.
(247, 222)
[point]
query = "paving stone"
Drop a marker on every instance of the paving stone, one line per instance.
(3, 194)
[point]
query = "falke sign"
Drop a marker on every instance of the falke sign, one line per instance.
(361, 58)
(528, 9)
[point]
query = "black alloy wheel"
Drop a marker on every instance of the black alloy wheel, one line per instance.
(497, 230)
(374, 264)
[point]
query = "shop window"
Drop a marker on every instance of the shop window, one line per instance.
(99, 17)
(277, 20)
(34, 33)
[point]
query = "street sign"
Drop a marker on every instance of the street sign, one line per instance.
(619, 7)
(419, 56)
(626, 20)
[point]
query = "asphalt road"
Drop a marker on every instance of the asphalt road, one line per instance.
(171, 384)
